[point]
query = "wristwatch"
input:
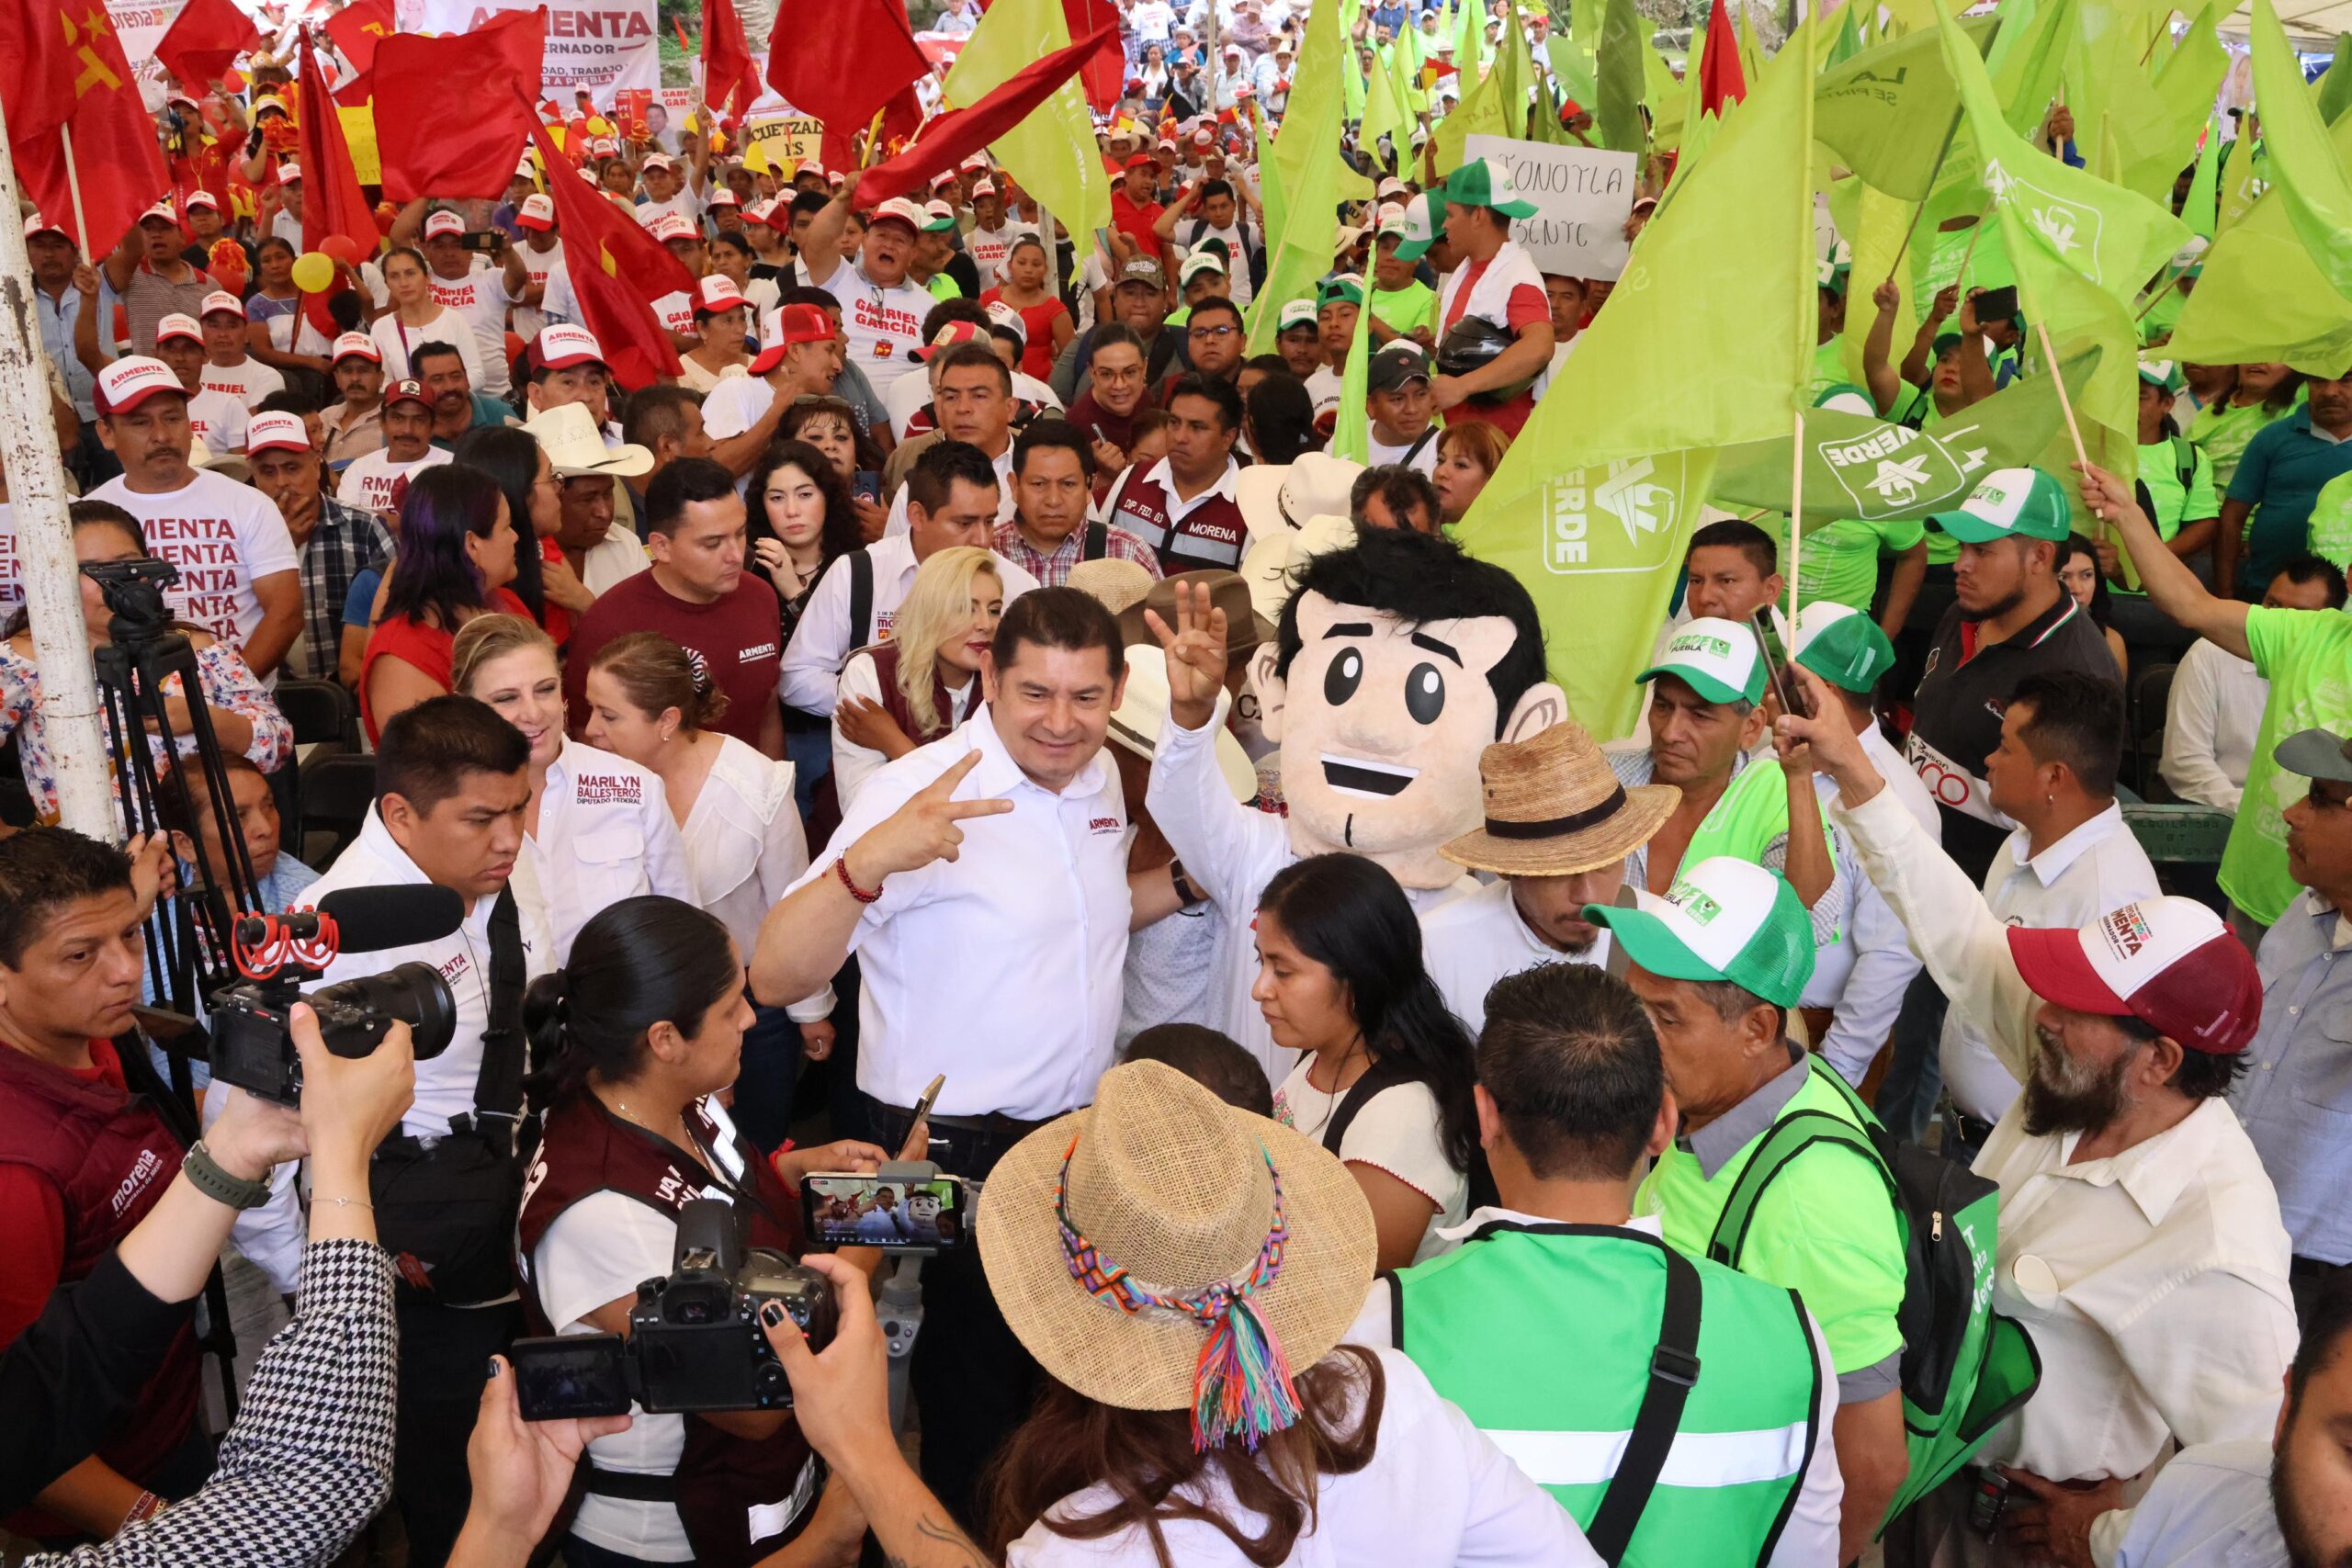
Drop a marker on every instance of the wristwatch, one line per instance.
(204, 1173)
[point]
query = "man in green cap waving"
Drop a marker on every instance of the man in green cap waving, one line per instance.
(1718, 963)
(1495, 297)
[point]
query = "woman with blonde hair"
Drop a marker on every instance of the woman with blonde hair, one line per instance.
(597, 829)
(1467, 456)
(924, 680)
(654, 702)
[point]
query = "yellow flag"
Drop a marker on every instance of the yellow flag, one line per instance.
(1051, 153)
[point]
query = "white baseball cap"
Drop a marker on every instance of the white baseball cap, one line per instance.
(537, 212)
(1297, 313)
(669, 226)
(1716, 658)
(204, 198)
(131, 380)
(290, 173)
(562, 345)
(1005, 316)
(355, 345)
(179, 325)
(222, 301)
(276, 432)
(2170, 963)
(36, 224)
(902, 210)
(444, 222)
(717, 293)
(1199, 262)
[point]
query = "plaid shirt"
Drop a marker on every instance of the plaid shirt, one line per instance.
(1052, 570)
(346, 541)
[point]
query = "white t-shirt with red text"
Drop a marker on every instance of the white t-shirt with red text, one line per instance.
(249, 383)
(376, 483)
(884, 325)
(481, 298)
(223, 536)
(675, 311)
(218, 419)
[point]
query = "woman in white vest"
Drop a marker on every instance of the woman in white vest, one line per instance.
(653, 703)
(597, 830)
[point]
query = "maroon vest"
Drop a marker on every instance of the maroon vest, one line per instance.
(1212, 535)
(584, 1150)
(110, 1157)
(893, 700)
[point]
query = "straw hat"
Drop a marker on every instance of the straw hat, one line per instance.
(1271, 566)
(1168, 1192)
(1117, 584)
(1553, 809)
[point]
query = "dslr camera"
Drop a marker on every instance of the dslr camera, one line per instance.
(695, 1340)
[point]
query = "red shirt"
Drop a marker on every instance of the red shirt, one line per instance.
(425, 647)
(32, 1217)
(1135, 223)
(740, 637)
(1525, 306)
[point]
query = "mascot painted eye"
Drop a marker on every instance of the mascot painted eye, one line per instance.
(1340, 682)
(1425, 693)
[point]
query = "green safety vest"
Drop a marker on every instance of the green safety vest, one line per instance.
(1595, 1293)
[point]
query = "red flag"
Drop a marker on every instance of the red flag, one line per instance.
(1104, 72)
(113, 137)
(731, 78)
(843, 61)
(358, 29)
(678, 25)
(37, 72)
(333, 203)
(204, 41)
(446, 124)
(1720, 81)
(617, 269)
(955, 136)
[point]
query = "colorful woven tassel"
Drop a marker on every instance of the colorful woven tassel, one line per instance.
(1241, 1385)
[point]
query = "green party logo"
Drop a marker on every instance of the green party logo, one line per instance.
(1622, 517)
(1693, 901)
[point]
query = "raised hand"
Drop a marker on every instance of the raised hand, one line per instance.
(1195, 649)
(922, 831)
(1887, 295)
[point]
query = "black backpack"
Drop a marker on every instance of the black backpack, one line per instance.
(1389, 1072)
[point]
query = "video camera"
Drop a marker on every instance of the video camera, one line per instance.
(694, 1342)
(278, 953)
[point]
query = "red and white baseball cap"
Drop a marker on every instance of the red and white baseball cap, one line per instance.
(949, 337)
(943, 179)
(810, 166)
(983, 188)
(658, 161)
(560, 345)
(793, 323)
(355, 345)
(131, 380)
(163, 209)
(537, 213)
(406, 390)
(715, 293)
(290, 173)
(222, 302)
(902, 210)
(444, 222)
(177, 325)
(276, 432)
(669, 226)
(1204, 137)
(722, 197)
(36, 224)
(2169, 963)
(974, 164)
(604, 147)
(203, 199)
(765, 212)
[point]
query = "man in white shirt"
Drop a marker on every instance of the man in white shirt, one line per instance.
(2140, 1239)
(228, 366)
(993, 233)
(377, 480)
(2070, 859)
(2217, 698)
(240, 577)
(465, 282)
(951, 499)
(532, 267)
(973, 402)
(216, 418)
(1558, 827)
(1403, 414)
(882, 312)
(990, 863)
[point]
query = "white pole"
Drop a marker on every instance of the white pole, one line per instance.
(69, 685)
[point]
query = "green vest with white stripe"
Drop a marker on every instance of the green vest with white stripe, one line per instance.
(1542, 1335)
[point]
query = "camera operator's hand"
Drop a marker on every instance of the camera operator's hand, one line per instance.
(520, 1471)
(840, 1396)
(254, 1136)
(348, 1106)
(842, 1153)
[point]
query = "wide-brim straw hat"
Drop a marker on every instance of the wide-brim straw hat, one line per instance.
(1169, 1184)
(1554, 808)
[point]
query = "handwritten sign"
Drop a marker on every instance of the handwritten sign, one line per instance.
(784, 141)
(1582, 198)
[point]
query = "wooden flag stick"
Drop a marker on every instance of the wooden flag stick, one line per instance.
(1796, 517)
(73, 184)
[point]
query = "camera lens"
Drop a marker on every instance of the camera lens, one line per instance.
(414, 993)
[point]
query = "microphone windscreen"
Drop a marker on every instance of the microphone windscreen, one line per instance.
(370, 920)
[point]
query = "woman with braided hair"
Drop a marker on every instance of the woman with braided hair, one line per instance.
(653, 702)
(597, 829)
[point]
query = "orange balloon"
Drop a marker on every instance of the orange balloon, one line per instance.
(339, 248)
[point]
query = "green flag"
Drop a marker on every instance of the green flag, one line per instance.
(1878, 471)
(2306, 176)
(1269, 185)
(2335, 87)
(1574, 68)
(1307, 166)
(1598, 495)
(1669, 100)
(1052, 152)
(1617, 108)
(1383, 115)
(1515, 73)
(1850, 40)
(1888, 112)
(2027, 73)
(2245, 175)
(1351, 429)
(2205, 184)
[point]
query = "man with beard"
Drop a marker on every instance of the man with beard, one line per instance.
(2139, 1239)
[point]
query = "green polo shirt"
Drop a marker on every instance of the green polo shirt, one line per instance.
(1415, 305)
(2178, 502)
(1839, 561)
(2284, 469)
(1825, 1227)
(2306, 655)
(2221, 432)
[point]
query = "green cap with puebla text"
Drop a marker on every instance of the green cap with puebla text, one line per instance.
(1716, 658)
(1842, 646)
(1487, 182)
(2010, 504)
(1297, 313)
(1422, 226)
(1725, 918)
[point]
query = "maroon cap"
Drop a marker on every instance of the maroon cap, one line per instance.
(407, 391)
(2169, 963)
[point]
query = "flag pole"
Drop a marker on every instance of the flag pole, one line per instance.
(73, 184)
(69, 702)
(2066, 407)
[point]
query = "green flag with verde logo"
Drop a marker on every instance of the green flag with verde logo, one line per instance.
(1888, 111)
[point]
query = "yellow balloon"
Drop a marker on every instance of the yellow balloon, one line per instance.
(313, 272)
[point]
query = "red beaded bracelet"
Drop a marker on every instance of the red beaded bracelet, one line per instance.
(840, 869)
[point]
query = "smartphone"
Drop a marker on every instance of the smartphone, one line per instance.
(485, 240)
(569, 1374)
(843, 1209)
(1996, 304)
(930, 1098)
(866, 482)
(1787, 688)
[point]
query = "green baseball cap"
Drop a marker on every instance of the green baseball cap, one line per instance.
(2165, 373)
(1842, 646)
(1487, 182)
(1725, 918)
(1423, 225)
(1346, 288)
(1716, 658)
(2010, 504)
(1832, 271)
(1295, 314)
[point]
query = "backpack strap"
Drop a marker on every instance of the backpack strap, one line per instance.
(1415, 449)
(1385, 1073)
(1097, 542)
(1787, 1138)
(1674, 1367)
(2184, 460)
(498, 1087)
(860, 598)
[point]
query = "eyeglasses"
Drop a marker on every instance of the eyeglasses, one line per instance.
(1224, 331)
(1117, 376)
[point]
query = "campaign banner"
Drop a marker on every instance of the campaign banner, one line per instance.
(1582, 197)
(784, 141)
(597, 47)
(139, 28)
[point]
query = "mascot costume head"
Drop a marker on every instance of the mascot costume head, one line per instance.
(1397, 662)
